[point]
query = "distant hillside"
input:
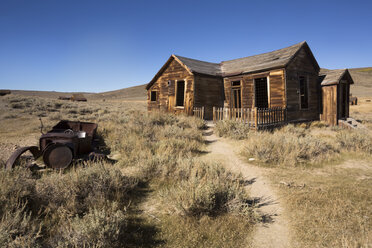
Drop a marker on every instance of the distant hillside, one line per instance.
(47, 94)
(131, 93)
(363, 81)
(136, 93)
(361, 76)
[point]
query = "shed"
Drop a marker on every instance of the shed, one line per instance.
(64, 98)
(78, 97)
(353, 100)
(335, 85)
(4, 92)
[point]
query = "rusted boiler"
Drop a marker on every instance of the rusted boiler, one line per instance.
(58, 147)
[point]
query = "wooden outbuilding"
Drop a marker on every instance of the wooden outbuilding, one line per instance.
(285, 79)
(78, 97)
(4, 92)
(66, 98)
(353, 100)
(335, 95)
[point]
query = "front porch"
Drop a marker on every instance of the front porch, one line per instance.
(255, 118)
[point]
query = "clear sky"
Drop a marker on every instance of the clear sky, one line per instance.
(101, 45)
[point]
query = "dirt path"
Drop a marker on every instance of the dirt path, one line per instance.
(274, 231)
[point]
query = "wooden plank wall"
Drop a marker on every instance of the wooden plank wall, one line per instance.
(166, 93)
(329, 96)
(208, 93)
(302, 65)
(277, 88)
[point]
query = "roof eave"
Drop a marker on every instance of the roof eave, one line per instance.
(253, 71)
(304, 44)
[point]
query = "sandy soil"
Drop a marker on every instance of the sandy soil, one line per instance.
(273, 231)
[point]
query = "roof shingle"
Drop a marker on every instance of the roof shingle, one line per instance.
(334, 76)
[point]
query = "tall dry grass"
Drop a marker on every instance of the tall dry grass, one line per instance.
(294, 145)
(330, 203)
(99, 204)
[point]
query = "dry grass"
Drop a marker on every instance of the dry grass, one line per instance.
(102, 205)
(331, 206)
(305, 144)
(363, 111)
(324, 176)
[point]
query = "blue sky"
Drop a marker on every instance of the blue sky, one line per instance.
(95, 46)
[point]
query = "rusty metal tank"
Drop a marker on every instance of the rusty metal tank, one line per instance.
(58, 147)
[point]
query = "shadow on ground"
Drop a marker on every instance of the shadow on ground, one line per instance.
(140, 231)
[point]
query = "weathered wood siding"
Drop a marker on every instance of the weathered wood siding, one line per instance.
(208, 93)
(165, 86)
(329, 102)
(302, 65)
(276, 94)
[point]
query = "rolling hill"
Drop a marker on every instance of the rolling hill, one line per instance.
(137, 93)
(363, 81)
(361, 76)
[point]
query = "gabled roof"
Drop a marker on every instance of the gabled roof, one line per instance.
(199, 66)
(261, 62)
(331, 77)
(265, 61)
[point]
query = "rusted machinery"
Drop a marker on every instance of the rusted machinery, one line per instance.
(67, 140)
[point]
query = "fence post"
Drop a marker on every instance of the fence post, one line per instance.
(255, 118)
(214, 115)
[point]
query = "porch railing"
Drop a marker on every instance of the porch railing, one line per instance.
(258, 118)
(199, 112)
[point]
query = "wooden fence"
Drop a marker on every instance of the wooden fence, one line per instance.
(199, 112)
(258, 118)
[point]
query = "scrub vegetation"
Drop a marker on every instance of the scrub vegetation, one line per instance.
(323, 176)
(157, 193)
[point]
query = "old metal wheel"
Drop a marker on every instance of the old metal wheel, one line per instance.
(57, 156)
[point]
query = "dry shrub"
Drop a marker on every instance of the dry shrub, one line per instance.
(355, 140)
(206, 189)
(77, 191)
(17, 229)
(232, 129)
(295, 144)
(17, 201)
(17, 188)
(153, 142)
(289, 146)
(28, 203)
(100, 227)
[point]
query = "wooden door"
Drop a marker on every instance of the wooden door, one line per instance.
(329, 101)
(343, 100)
(236, 98)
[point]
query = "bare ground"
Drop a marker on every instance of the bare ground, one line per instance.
(273, 230)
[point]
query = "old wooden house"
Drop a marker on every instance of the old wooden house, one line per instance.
(286, 79)
(78, 97)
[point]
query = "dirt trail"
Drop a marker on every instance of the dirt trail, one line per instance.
(273, 233)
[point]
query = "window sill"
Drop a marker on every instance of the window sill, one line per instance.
(180, 107)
